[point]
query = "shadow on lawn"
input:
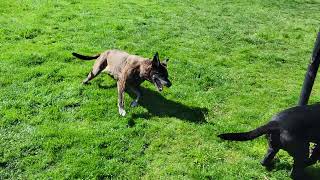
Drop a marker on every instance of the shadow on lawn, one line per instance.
(312, 172)
(157, 105)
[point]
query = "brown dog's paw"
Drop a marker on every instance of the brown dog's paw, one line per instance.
(122, 112)
(85, 82)
(134, 104)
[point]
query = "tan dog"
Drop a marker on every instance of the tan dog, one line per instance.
(129, 71)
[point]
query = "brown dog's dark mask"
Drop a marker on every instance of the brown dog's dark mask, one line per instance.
(159, 73)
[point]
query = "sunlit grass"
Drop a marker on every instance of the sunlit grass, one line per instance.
(233, 64)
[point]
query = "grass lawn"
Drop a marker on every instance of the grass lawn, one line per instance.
(233, 64)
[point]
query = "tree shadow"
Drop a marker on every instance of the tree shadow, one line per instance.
(157, 105)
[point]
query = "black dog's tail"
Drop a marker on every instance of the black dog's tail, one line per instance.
(245, 136)
(85, 57)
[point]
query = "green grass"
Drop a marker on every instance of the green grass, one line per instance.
(233, 64)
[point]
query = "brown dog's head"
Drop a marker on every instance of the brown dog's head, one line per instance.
(159, 74)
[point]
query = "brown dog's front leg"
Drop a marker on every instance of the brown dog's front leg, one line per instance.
(136, 90)
(121, 88)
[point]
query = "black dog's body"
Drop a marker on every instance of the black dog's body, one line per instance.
(291, 130)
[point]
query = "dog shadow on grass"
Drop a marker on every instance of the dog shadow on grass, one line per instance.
(312, 172)
(157, 105)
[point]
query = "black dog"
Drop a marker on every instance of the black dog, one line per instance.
(291, 130)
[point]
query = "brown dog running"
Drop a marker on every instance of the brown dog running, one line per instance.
(129, 71)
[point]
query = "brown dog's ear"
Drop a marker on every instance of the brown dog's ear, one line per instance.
(155, 59)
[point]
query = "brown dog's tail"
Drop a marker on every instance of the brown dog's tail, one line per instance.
(85, 57)
(245, 136)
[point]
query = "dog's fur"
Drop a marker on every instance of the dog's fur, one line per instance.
(291, 130)
(129, 71)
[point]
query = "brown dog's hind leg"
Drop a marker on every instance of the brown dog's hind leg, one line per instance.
(91, 75)
(99, 65)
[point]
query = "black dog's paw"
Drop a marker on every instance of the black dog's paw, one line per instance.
(269, 166)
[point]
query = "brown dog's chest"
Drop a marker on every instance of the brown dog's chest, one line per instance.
(123, 64)
(135, 79)
(115, 72)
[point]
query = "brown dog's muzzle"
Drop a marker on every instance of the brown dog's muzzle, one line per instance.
(160, 82)
(168, 83)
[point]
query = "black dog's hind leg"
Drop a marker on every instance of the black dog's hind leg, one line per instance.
(300, 153)
(137, 91)
(274, 146)
(315, 155)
